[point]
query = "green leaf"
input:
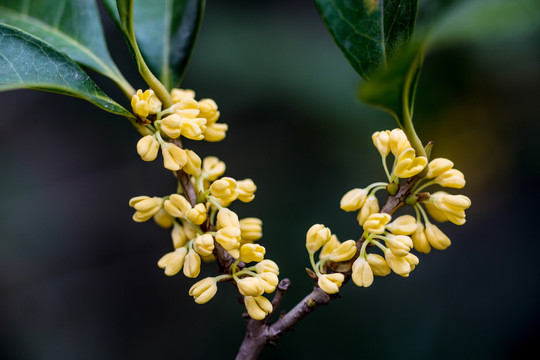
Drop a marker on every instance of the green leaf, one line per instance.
(166, 31)
(28, 62)
(369, 32)
(72, 26)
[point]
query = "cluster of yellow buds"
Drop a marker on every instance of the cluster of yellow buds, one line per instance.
(394, 238)
(204, 223)
(187, 117)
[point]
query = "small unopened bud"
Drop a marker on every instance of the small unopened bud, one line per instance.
(378, 264)
(213, 168)
(246, 190)
(344, 251)
(330, 283)
(329, 246)
(257, 306)
(228, 237)
(270, 281)
(353, 199)
(408, 164)
(375, 223)
(252, 252)
(178, 95)
(227, 218)
(420, 241)
(216, 132)
(148, 148)
(173, 157)
(177, 206)
(197, 214)
(267, 266)
(316, 237)
(250, 286)
(192, 264)
(224, 189)
(381, 141)
(403, 225)
(436, 237)
(398, 264)
(172, 262)
(204, 290)
(209, 110)
(362, 274)
(172, 126)
(438, 166)
(193, 163)
(371, 206)
(163, 219)
(452, 178)
(251, 229)
(400, 245)
(204, 245)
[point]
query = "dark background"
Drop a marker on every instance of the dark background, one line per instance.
(79, 280)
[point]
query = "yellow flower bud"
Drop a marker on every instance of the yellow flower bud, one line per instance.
(344, 251)
(412, 260)
(228, 237)
(197, 214)
(436, 237)
(145, 103)
(353, 199)
(178, 95)
(257, 307)
(178, 235)
(146, 207)
(227, 218)
(204, 290)
(398, 264)
(246, 190)
(204, 244)
(224, 189)
(403, 225)
(443, 206)
(212, 168)
(398, 142)
(375, 223)
(252, 252)
(173, 157)
(163, 219)
(193, 163)
(452, 178)
(267, 266)
(216, 132)
(148, 148)
(193, 128)
(192, 264)
(371, 206)
(316, 237)
(187, 109)
(362, 274)
(177, 206)
(438, 166)
(378, 265)
(270, 281)
(209, 110)
(172, 262)
(420, 241)
(251, 229)
(172, 126)
(250, 286)
(381, 140)
(191, 232)
(408, 164)
(330, 283)
(329, 246)
(400, 245)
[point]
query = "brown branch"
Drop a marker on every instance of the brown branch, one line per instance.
(259, 334)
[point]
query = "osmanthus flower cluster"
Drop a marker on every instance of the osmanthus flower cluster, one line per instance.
(394, 237)
(200, 226)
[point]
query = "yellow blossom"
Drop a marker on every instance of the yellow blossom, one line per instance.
(204, 244)
(173, 156)
(257, 306)
(172, 126)
(438, 166)
(316, 237)
(398, 264)
(420, 241)
(197, 214)
(209, 110)
(193, 163)
(178, 95)
(353, 199)
(215, 132)
(443, 206)
(252, 252)
(362, 274)
(148, 148)
(212, 168)
(204, 290)
(452, 178)
(246, 190)
(192, 264)
(371, 206)
(145, 207)
(177, 206)
(375, 223)
(381, 140)
(228, 237)
(224, 189)
(187, 109)
(250, 286)
(400, 245)
(436, 237)
(194, 128)
(227, 218)
(251, 229)
(398, 142)
(408, 164)
(267, 266)
(344, 251)
(330, 283)
(269, 281)
(329, 247)
(145, 103)
(412, 260)
(403, 225)
(178, 236)
(172, 262)
(378, 265)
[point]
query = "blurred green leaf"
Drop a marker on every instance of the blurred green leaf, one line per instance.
(165, 31)
(28, 62)
(369, 32)
(72, 26)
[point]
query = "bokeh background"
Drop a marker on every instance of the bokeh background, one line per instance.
(79, 280)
